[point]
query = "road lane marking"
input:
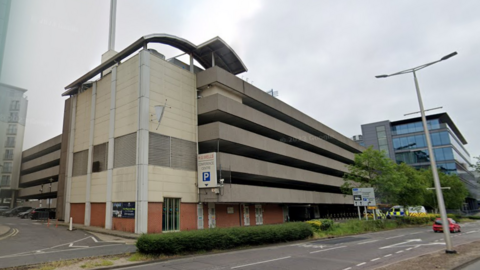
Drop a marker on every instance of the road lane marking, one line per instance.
(395, 236)
(347, 268)
(388, 255)
(400, 251)
(415, 233)
(13, 233)
(29, 253)
(408, 241)
(327, 249)
(96, 241)
(376, 259)
(360, 264)
(366, 242)
(470, 232)
(409, 249)
(245, 265)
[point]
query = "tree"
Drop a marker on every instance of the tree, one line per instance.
(453, 197)
(415, 190)
(373, 168)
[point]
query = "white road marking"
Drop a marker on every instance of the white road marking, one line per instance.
(347, 268)
(415, 233)
(96, 241)
(409, 249)
(376, 259)
(470, 232)
(283, 258)
(395, 236)
(13, 233)
(408, 241)
(366, 242)
(55, 251)
(360, 264)
(400, 251)
(327, 249)
(388, 255)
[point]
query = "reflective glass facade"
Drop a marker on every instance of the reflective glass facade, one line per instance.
(415, 127)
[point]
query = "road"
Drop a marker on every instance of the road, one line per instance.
(366, 251)
(32, 242)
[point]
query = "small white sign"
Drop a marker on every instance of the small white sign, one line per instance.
(363, 197)
(207, 170)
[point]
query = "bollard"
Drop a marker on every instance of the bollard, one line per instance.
(70, 227)
(56, 223)
(48, 222)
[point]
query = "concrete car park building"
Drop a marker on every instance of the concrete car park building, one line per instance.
(404, 141)
(132, 138)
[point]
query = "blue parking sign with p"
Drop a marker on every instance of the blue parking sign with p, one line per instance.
(206, 177)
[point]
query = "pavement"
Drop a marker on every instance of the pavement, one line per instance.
(103, 231)
(4, 230)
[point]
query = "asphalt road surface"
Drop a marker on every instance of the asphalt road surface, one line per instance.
(366, 251)
(32, 242)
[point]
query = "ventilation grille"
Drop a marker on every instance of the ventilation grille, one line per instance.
(80, 161)
(184, 155)
(125, 151)
(100, 155)
(159, 150)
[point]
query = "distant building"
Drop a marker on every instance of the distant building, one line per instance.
(358, 139)
(404, 141)
(4, 17)
(13, 111)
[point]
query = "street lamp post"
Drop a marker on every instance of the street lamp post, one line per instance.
(49, 200)
(436, 180)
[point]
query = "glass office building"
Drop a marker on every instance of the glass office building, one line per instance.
(404, 141)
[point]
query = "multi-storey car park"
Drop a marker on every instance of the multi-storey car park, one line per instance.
(126, 170)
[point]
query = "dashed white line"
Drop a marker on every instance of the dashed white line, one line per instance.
(415, 233)
(283, 258)
(400, 251)
(366, 242)
(388, 255)
(348, 268)
(409, 249)
(376, 259)
(395, 236)
(470, 232)
(327, 249)
(360, 264)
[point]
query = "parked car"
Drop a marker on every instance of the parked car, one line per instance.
(453, 225)
(15, 211)
(43, 213)
(25, 214)
(3, 209)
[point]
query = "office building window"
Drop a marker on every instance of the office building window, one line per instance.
(415, 127)
(171, 214)
(7, 167)
(13, 117)
(100, 157)
(12, 129)
(15, 105)
(8, 154)
(382, 140)
(5, 180)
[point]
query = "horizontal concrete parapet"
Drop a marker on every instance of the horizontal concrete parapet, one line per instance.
(231, 107)
(236, 135)
(216, 74)
(257, 167)
(42, 148)
(43, 174)
(38, 162)
(231, 193)
(35, 190)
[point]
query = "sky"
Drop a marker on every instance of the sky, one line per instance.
(321, 56)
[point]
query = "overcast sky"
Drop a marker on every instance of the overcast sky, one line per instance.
(321, 56)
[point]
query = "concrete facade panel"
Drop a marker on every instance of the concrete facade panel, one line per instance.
(43, 174)
(98, 190)
(124, 184)
(173, 183)
(54, 156)
(78, 189)
(42, 147)
(82, 123)
(35, 190)
(102, 110)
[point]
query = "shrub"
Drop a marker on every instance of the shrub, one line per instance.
(316, 224)
(474, 217)
(221, 238)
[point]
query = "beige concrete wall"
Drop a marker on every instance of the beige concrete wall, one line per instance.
(43, 174)
(98, 188)
(126, 112)
(78, 189)
(102, 110)
(221, 90)
(169, 82)
(82, 122)
(124, 184)
(42, 146)
(35, 190)
(171, 183)
(255, 194)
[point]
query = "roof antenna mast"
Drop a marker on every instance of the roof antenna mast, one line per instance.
(113, 19)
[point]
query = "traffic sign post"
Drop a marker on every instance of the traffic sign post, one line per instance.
(364, 197)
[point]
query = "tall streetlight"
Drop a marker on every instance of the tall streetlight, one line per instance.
(436, 180)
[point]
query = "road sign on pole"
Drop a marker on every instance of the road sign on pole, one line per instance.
(363, 197)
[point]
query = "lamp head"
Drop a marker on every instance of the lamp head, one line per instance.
(381, 76)
(448, 56)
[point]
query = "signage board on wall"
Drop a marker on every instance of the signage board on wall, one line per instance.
(207, 170)
(124, 210)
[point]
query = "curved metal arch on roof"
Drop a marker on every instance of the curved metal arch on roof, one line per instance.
(212, 52)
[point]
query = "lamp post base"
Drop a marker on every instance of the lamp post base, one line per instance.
(451, 251)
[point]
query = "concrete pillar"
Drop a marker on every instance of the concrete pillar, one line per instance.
(90, 156)
(111, 147)
(141, 213)
(71, 140)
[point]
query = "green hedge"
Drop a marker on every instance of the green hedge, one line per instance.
(221, 238)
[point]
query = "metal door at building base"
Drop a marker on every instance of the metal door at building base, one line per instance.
(211, 216)
(246, 215)
(258, 214)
